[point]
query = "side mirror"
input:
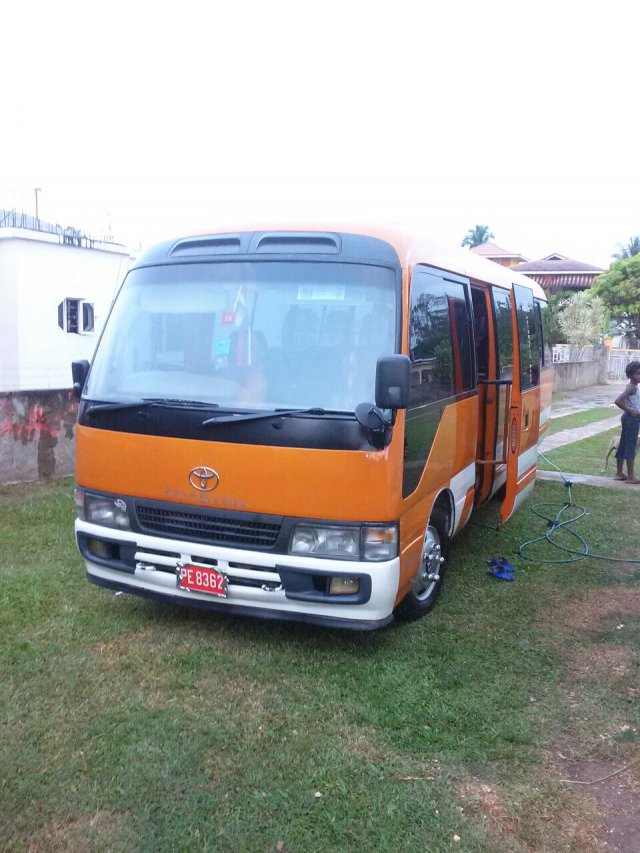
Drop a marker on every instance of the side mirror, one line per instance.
(393, 382)
(79, 373)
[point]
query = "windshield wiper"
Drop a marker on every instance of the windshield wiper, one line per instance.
(260, 416)
(96, 408)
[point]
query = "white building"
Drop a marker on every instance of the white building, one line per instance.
(56, 287)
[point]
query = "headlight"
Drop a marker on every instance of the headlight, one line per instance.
(110, 512)
(342, 543)
(380, 543)
(78, 498)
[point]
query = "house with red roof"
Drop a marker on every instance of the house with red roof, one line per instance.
(556, 272)
(496, 253)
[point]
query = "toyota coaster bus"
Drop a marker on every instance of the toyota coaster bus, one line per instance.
(294, 424)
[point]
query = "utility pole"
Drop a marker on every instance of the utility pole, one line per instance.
(36, 191)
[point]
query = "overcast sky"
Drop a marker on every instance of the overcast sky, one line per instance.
(163, 119)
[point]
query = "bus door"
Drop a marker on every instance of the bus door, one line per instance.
(489, 396)
(521, 431)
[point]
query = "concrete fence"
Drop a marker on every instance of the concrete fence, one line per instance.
(578, 367)
(36, 435)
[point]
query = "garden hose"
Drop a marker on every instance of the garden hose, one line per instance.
(558, 522)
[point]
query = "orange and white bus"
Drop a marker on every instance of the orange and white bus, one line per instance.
(294, 424)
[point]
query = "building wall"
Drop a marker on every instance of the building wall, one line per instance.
(8, 322)
(37, 272)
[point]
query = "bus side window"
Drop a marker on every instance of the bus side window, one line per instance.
(504, 332)
(541, 320)
(439, 339)
(481, 331)
(441, 363)
(529, 339)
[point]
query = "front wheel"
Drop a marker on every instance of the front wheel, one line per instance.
(427, 583)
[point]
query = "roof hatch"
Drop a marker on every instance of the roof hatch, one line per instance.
(302, 242)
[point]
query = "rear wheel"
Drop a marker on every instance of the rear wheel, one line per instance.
(427, 582)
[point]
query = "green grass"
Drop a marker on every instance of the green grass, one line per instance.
(586, 456)
(580, 419)
(131, 725)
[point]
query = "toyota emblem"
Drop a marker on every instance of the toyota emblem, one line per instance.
(204, 479)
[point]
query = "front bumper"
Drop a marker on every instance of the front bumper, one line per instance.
(275, 586)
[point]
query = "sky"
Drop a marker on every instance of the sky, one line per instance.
(156, 120)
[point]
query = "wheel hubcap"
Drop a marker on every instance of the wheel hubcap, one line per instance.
(429, 569)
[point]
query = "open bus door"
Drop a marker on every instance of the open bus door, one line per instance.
(522, 428)
(492, 394)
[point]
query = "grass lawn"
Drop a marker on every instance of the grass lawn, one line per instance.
(579, 419)
(583, 457)
(128, 725)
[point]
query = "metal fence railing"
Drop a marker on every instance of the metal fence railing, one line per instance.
(68, 235)
(563, 353)
(618, 360)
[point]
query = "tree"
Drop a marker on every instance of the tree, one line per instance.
(620, 290)
(629, 249)
(477, 236)
(582, 319)
(552, 331)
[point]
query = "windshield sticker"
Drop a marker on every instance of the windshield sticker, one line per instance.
(320, 293)
(223, 347)
(228, 318)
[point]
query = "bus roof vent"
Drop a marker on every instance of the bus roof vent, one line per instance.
(227, 244)
(300, 242)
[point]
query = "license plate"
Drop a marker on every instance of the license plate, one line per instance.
(201, 579)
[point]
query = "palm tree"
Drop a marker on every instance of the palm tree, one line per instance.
(476, 236)
(628, 250)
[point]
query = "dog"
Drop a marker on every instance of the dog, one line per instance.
(613, 446)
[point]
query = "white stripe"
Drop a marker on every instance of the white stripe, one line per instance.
(500, 478)
(460, 485)
(527, 459)
(521, 496)
(545, 414)
(462, 482)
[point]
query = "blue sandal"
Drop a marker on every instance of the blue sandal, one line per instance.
(501, 569)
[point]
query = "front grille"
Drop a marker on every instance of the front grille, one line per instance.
(208, 528)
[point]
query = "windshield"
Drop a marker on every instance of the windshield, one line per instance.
(248, 335)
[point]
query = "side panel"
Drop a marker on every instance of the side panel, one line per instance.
(441, 422)
(450, 466)
(546, 392)
(524, 423)
(546, 370)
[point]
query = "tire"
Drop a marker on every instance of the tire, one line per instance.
(425, 590)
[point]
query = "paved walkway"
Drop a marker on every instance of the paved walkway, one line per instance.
(592, 397)
(588, 480)
(595, 396)
(568, 436)
(580, 400)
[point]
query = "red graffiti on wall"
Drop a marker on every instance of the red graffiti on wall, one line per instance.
(39, 416)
